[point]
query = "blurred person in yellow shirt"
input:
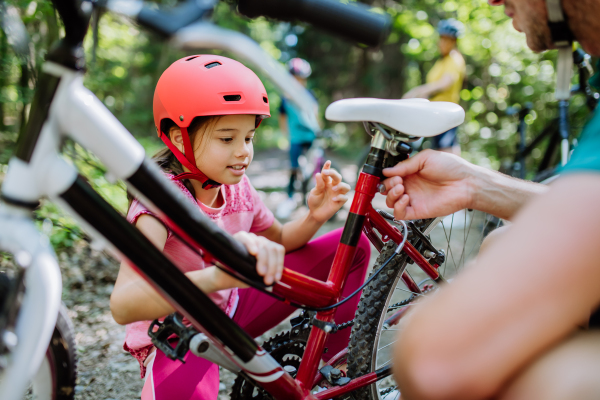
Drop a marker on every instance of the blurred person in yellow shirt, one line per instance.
(444, 81)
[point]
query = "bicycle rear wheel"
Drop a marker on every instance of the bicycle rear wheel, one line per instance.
(385, 300)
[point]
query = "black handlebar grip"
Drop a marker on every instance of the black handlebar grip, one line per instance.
(168, 22)
(352, 21)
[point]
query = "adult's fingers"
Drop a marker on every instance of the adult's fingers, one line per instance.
(401, 208)
(391, 182)
(393, 195)
(407, 167)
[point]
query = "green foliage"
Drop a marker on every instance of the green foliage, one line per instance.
(126, 62)
(62, 230)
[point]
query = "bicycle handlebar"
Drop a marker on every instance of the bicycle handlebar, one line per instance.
(165, 22)
(352, 21)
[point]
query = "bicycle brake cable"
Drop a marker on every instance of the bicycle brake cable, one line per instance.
(396, 252)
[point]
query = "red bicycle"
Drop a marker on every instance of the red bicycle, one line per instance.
(388, 292)
(62, 106)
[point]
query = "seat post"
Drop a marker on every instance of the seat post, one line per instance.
(374, 164)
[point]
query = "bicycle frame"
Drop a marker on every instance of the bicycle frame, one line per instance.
(64, 108)
(38, 171)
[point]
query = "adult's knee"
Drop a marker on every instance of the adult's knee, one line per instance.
(423, 376)
(493, 237)
(568, 371)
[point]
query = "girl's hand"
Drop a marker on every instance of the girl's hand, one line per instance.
(329, 195)
(269, 255)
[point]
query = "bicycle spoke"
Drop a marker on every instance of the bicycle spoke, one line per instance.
(448, 247)
(466, 235)
(480, 239)
(384, 364)
(408, 291)
(387, 345)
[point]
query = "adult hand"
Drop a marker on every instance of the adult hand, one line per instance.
(430, 184)
(329, 194)
(269, 260)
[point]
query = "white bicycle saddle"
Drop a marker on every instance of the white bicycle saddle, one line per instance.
(414, 117)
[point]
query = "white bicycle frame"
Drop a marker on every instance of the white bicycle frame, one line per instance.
(77, 113)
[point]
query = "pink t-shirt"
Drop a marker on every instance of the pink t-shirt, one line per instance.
(242, 210)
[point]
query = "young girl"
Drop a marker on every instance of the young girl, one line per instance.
(206, 110)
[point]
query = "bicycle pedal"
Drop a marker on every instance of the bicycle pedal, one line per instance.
(166, 332)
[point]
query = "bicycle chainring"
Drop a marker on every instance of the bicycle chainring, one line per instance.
(287, 348)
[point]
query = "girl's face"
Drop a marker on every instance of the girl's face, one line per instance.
(224, 153)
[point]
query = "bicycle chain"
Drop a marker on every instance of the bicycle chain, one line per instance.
(345, 325)
(406, 302)
(387, 391)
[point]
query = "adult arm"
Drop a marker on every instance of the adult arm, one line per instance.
(433, 184)
(429, 89)
(529, 290)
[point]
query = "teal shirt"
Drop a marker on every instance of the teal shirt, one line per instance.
(586, 156)
(300, 131)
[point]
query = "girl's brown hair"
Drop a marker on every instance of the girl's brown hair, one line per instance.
(165, 158)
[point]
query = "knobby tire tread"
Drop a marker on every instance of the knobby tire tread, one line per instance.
(366, 322)
(62, 353)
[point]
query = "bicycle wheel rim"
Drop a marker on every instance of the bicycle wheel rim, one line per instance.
(470, 227)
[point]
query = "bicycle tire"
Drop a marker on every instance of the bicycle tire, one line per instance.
(56, 378)
(374, 300)
(371, 340)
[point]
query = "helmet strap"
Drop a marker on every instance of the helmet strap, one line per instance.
(188, 160)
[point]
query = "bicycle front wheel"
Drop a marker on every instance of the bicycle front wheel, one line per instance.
(55, 379)
(386, 299)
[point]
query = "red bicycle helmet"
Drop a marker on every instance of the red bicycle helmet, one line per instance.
(203, 85)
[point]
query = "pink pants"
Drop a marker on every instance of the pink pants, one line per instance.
(198, 379)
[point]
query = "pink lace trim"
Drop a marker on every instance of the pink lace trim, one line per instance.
(140, 354)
